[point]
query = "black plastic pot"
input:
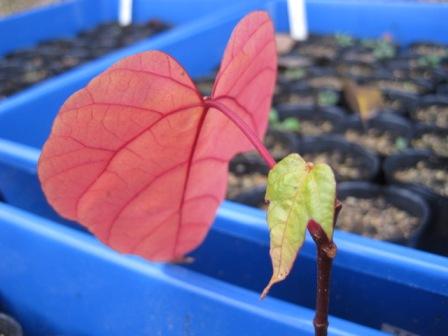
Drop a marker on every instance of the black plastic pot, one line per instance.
(293, 69)
(366, 54)
(327, 54)
(286, 94)
(421, 86)
(396, 196)
(412, 67)
(426, 103)
(314, 81)
(395, 125)
(437, 235)
(254, 198)
(358, 70)
(330, 81)
(25, 54)
(300, 93)
(286, 139)
(422, 130)
(10, 67)
(442, 89)
(242, 167)
(399, 102)
(331, 114)
(369, 162)
(252, 162)
(422, 48)
(247, 163)
(289, 61)
(28, 66)
(9, 326)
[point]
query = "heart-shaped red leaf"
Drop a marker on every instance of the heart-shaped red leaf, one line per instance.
(138, 159)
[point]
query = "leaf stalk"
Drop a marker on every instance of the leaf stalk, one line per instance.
(248, 132)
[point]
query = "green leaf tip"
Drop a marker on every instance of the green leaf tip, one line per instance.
(297, 192)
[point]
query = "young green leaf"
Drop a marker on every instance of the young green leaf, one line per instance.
(320, 195)
(273, 116)
(291, 124)
(298, 192)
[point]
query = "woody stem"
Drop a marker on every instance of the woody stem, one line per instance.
(326, 251)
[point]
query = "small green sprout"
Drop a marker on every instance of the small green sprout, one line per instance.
(344, 40)
(401, 143)
(382, 48)
(327, 98)
(429, 61)
(295, 74)
(289, 124)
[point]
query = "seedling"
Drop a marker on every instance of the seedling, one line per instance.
(327, 98)
(401, 143)
(295, 74)
(140, 158)
(429, 61)
(289, 124)
(344, 40)
(382, 48)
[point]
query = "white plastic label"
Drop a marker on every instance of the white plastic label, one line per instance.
(125, 14)
(297, 19)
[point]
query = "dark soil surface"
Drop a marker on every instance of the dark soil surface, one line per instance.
(357, 70)
(315, 127)
(9, 326)
(382, 142)
(25, 67)
(314, 73)
(432, 115)
(327, 82)
(345, 167)
(399, 86)
(438, 143)
(244, 183)
(375, 218)
(435, 179)
(277, 147)
(302, 98)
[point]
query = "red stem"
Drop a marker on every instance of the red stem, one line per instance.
(248, 132)
(326, 251)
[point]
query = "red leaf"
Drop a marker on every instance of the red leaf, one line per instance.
(246, 79)
(137, 158)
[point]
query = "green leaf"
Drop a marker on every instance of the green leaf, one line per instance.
(320, 196)
(295, 74)
(327, 98)
(297, 192)
(273, 116)
(344, 40)
(401, 143)
(291, 124)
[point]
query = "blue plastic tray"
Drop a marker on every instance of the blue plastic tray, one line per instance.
(67, 18)
(405, 21)
(57, 281)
